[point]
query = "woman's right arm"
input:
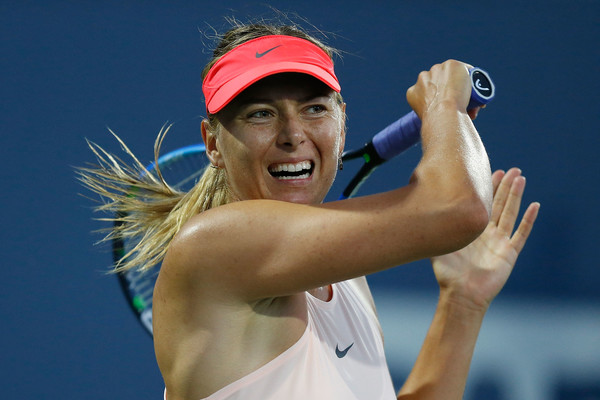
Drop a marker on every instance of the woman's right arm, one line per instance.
(261, 248)
(453, 154)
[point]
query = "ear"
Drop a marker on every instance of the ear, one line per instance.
(211, 142)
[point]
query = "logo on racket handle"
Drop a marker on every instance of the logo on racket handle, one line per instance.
(483, 89)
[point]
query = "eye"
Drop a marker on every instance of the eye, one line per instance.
(316, 109)
(259, 114)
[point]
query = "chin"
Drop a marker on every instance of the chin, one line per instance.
(298, 198)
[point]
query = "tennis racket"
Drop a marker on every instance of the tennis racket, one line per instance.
(405, 133)
(182, 168)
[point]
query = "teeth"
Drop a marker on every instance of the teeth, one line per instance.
(299, 170)
(303, 165)
(303, 176)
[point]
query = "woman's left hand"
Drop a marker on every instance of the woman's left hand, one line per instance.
(475, 274)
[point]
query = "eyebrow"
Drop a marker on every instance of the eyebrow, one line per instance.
(251, 100)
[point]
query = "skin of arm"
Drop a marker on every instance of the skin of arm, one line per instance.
(469, 280)
(282, 248)
(231, 267)
(440, 99)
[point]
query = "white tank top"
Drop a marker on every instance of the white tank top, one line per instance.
(339, 356)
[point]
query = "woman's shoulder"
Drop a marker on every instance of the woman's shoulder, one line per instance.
(233, 249)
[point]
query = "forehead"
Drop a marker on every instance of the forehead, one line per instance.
(293, 86)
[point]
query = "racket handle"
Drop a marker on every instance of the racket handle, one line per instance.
(406, 132)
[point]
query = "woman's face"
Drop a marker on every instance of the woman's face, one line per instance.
(280, 139)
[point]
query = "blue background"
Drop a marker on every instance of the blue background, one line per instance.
(70, 69)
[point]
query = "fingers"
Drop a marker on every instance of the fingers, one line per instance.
(522, 233)
(508, 193)
(446, 81)
(496, 179)
(501, 192)
(474, 112)
(509, 214)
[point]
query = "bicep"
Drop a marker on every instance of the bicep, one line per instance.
(259, 249)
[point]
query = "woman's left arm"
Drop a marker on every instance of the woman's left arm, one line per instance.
(469, 280)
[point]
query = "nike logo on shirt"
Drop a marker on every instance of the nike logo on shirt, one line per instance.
(342, 353)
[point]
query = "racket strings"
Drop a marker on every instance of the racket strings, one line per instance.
(161, 218)
(141, 286)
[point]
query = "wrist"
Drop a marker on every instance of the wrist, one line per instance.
(444, 104)
(462, 305)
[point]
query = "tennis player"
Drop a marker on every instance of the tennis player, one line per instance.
(262, 291)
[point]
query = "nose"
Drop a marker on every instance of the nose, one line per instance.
(291, 132)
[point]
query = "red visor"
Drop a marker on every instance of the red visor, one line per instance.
(259, 58)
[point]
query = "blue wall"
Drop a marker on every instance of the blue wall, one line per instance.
(70, 69)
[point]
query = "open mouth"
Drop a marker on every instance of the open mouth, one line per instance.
(299, 170)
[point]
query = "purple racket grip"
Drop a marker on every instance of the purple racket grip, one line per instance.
(398, 137)
(406, 132)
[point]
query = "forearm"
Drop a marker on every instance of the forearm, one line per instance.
(442, 366)
(454, 160)
(453, 154)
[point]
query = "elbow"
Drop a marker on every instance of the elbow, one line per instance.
(471, 216)
(477, 215)
(460, 221)
(478, 207)
(462, 207)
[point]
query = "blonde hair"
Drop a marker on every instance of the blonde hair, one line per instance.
(144, 209)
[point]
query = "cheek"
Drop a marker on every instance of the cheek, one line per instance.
(332, 140)
(243, 159)
(336, 127)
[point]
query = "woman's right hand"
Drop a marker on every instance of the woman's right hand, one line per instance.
(447, 83)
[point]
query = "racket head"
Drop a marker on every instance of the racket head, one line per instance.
(181, 169)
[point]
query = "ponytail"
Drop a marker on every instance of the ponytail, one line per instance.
(143, 208)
